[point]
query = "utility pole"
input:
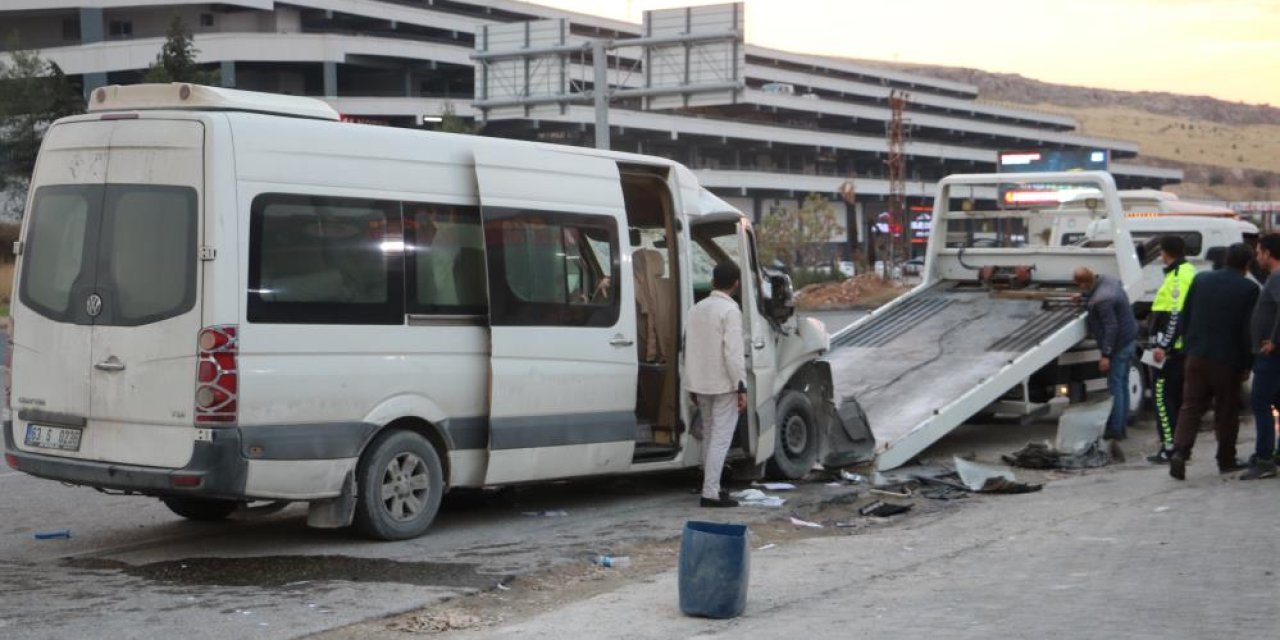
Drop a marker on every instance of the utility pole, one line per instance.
(897, 179)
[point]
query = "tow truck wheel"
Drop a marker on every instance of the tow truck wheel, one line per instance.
(400, 483)
(797, 445)
(1137, 386)
(201, 509)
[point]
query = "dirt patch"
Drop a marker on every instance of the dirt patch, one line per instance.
(284, 571)
(865, 290)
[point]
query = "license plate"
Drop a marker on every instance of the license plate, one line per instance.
(44, 437)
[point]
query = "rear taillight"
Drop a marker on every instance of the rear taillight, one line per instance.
(217, 375)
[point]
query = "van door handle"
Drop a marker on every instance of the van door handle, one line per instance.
(758, 344)
(110, 364)
(621, 341)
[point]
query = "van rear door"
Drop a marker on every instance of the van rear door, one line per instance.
(144, 338)
(107, 319)
(52, 328)
(562, 314)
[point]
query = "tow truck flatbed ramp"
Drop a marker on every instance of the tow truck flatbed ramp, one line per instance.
(925, 364)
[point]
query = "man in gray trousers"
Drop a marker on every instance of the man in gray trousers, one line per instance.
(715, 375)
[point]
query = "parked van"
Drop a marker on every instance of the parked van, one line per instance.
(224, 297)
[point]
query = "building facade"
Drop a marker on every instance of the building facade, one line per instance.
(804, 124)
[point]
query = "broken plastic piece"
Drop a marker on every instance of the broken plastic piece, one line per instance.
(547, 514)
(804, 523)
(615, 562)
(59, 534)
(776, 486)
(855, 478)
(881, 509)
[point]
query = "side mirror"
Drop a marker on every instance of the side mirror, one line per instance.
(781, 303)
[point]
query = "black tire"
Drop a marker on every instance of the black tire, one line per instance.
(796, 448)
(201, 509)
(415, 484)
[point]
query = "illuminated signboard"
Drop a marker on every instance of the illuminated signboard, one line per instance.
(1047, 160)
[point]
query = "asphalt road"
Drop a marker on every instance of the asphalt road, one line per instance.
(133, 570)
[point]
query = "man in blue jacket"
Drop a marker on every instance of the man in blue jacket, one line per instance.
(1114, 328)
(1215, 327)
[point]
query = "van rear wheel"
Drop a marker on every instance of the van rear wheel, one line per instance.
(796, 448)
(401, 483)
(201, 509)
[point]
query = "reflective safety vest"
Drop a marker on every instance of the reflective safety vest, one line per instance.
(1170, 299)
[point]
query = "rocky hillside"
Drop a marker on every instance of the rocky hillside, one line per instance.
(1228, 150)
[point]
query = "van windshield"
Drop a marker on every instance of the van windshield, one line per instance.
(133, 246)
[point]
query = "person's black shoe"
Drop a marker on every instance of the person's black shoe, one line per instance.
(1232, 467)
(718, 502)
(1159, 457)
(1259, 470)
(1178, 466)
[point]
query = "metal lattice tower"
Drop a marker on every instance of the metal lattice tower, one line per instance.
(897, 166)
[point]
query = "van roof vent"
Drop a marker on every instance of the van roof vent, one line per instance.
(184, 96)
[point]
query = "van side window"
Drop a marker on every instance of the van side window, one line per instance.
(553, 269)
(444, 249)
(317, 260)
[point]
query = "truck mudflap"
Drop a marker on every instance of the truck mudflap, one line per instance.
(847, 438)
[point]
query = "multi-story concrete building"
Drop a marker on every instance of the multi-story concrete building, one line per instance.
(804, 123)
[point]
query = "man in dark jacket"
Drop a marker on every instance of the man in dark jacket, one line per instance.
(1215, 331)
(1113, 327)
(1265, 340)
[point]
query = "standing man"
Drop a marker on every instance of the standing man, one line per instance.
(1215, 321)
(1266, 363)
(1167, 342)
(1113, 327)
(715, 374)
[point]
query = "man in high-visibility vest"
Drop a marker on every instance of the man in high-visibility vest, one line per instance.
(1166, 341)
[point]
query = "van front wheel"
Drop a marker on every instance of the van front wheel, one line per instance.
(401, 483)
(797, 446)
(201, 509)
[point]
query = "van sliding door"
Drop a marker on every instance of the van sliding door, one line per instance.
(562, 315)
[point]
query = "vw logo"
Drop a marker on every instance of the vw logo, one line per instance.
(93, 305)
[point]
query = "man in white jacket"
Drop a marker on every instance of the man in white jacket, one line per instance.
(715, 375)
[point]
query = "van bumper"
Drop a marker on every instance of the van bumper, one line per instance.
(216, 470)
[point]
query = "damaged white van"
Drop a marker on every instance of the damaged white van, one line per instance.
(226, 297)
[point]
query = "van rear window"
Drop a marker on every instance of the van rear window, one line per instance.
(132, 246)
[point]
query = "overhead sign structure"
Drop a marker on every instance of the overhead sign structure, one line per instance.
(687, 57)
(711, 65)
(1014, 196)
(539, 80)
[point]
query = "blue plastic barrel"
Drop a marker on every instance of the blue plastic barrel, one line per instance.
(715, 563)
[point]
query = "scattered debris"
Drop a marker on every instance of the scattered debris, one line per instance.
(986, 479)
(614, 562)
(804, 523)
(881, 509)
(945, 492)
(60, 534)
(855, 478)
(1161, 509)
(881, 492)
(503, 587)
(1044, 456)
(756, 498)
(775, 486)
(438, 622)
(767, 546)
(547, 514)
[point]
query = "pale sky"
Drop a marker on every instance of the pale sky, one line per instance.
(1228, 49)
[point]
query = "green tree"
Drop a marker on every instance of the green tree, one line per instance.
(33, 93)
(798, 237)
(176, 61)
(450, 122)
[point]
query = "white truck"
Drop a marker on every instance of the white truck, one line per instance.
(992, 314)
(225, 297)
